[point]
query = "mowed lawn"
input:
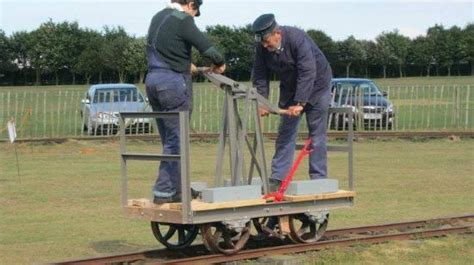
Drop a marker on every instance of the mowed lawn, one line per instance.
(67, 204)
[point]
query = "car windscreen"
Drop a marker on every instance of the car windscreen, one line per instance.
(117, 95)
(344, 89)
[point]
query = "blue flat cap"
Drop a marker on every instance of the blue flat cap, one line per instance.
(263, 25)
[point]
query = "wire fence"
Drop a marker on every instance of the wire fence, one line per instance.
(57, 114)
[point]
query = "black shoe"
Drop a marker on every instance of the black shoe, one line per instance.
(195, 194)
(161, 200)
(274, 185)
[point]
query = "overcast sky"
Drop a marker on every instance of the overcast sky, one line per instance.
(364, 19)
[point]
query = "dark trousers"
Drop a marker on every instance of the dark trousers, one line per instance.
(316, 118)
(169, 91)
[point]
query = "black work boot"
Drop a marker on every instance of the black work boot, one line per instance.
(195, 194)
(274, 185)
(170, 199)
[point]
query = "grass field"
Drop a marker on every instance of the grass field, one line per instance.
(67, 204)
(435, 103)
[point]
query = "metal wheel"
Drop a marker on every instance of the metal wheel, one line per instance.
(260, 232)
(266, 227)
(165, 234)
(307, 229)
(218, 238)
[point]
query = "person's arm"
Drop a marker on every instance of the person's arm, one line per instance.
(306, 67)
(193, 35)
(260, 73)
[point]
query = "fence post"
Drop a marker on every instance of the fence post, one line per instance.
(446, 108)
(360, 108)
(411, 107)
(433, 105)
(2, 112)
(456, 107)
(8, 105)
(467, 107)
(22, 119)
(396, 110)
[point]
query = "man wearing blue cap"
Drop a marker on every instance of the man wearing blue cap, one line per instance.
(171, 35)
(305, 77)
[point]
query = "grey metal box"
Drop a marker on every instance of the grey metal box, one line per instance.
(316, 186)
(235, 193)
(255, 181)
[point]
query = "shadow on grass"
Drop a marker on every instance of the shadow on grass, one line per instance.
(117, 246)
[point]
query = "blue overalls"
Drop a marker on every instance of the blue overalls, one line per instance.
(167, 91)
(300, 64)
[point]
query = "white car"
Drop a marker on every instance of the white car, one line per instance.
(101, 106)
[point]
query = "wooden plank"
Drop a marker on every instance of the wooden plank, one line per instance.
(153, 214)
(146, 210)
(197, 205)
(323, 196)
(146, 203)
(284, 222)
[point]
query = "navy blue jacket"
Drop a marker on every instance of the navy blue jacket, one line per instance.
(304, 71)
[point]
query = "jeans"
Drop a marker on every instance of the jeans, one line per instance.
(316, 118)
(169, 91)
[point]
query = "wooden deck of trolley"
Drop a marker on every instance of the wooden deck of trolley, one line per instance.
(197, 205)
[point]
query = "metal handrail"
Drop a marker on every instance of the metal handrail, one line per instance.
(183, 156)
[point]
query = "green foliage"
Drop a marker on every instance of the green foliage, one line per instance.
(91, 60)
(55, 47)
(349, 51)
(58, 49)
(325, 43)
(117, 47)
(468, 45)
(136, 54)
(368, 57)
(421, 53)
(383, 51)
(20, 45)
(398, 46)
(237, 45)
(5, 53)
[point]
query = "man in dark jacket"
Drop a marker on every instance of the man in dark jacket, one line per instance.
(171, 36)
(305, 77)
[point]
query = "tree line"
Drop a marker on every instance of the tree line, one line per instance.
(64, 53)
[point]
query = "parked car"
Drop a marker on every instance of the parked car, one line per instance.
(368, 102)
(101, 106)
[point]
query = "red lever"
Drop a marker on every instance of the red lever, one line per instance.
(278, 196)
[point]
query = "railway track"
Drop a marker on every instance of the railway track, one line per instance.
(210, 136)
(198, 254)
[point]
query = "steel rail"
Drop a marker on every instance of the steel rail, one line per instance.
(211, 136)
(404, 225)
(298, 248)
(156, 256)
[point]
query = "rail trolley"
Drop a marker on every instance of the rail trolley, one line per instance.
(226, 226)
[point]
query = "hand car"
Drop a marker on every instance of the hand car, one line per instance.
(101, 106)
(368, 102)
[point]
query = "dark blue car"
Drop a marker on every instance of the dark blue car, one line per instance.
(371, 107)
